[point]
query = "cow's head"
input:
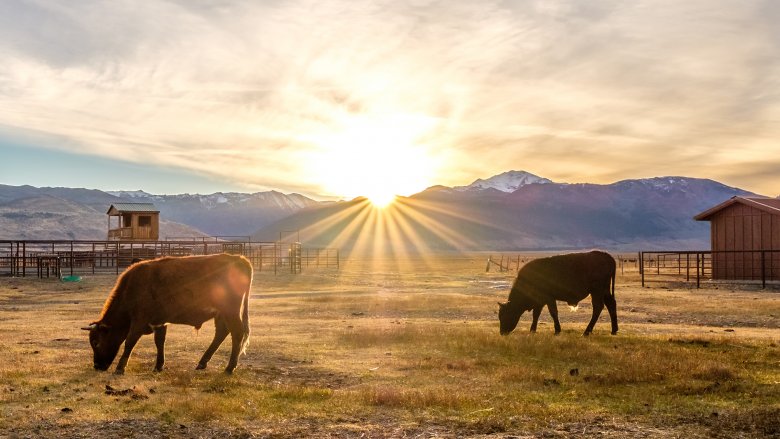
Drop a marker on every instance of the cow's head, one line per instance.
(508, 315)
(105, 342)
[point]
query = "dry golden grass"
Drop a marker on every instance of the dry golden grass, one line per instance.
(402, 348)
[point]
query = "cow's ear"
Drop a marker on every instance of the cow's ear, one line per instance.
(103, 326)
(501, 305)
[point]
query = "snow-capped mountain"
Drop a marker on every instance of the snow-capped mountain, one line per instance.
(507, 182)
(513, 210)
(629, 214)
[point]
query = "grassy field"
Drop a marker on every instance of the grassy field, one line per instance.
(402, 349)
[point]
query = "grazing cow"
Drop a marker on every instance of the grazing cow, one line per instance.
(568, 278)
(186, 290)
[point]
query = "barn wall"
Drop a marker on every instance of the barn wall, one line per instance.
(744, 228)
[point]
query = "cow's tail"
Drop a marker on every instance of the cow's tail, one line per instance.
(245, 322)
(614, 276)
(245, 310)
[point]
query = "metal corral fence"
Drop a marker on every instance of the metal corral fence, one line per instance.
(59, 257)
(625, 263)
(734, 266)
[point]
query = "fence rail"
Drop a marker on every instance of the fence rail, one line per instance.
(738, 266)
(59, 257)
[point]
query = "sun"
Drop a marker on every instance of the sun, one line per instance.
(375, 156)
(381, 200)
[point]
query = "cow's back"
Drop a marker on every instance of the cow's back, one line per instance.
(569, 277)
(188, 290)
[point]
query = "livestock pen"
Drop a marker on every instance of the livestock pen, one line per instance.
(760, 267)
(21, 258)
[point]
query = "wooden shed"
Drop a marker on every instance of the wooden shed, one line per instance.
(133, 222)
(745, 236)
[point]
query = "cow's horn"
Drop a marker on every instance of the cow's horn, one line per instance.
(90, 327)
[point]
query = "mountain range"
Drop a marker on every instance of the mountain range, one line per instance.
(515, 210)
(520, 211)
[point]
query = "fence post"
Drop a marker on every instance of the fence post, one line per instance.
(642, 268)
(15, 260)
(24, 259)
(71, 258)
(487, 268)
(763, 269)
(687, 267)
(698, 281)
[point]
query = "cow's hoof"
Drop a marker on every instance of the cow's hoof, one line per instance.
(200, 366)
(228, 371)
(614, 332)
(585, 334)
(158, 369)
(119, 372)
(557, 332)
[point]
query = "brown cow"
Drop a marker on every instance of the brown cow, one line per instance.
(568, 278)
(186, 290)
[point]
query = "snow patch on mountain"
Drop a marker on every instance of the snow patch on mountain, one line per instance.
(507, 182)
(130, 194)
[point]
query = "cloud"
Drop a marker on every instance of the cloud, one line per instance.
(574, 91)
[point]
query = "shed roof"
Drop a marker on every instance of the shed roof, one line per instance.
(770, 205)
(132, 207)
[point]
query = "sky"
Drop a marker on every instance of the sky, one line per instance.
(339, 98)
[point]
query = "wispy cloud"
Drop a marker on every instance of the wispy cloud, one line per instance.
(242, 91)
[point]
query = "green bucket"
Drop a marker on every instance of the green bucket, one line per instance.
(72, 278)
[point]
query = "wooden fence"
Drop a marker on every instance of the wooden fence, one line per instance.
(45, 258)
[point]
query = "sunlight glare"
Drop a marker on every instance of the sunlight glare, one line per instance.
(375, 156)
(381, 200)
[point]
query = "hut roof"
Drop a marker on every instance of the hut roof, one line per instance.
(770, 205)
(132, 207)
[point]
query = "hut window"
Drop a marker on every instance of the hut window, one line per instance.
(144, 221)
(127, 220)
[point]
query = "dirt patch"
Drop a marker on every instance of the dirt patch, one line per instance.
(281, 370)
(125, 428)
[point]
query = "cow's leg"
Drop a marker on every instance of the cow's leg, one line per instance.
(236, 328)
(598, 305)
(220, 332)
(537, 311)
(132, 338)
(553, 308)
(159, 341)
(609, 301)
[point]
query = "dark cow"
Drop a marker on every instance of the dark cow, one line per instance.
(568, 278)
(186, 290)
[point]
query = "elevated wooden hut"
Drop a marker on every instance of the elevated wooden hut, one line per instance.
(744, 231)
(133, 222)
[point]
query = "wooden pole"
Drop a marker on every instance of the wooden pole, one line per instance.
(687, 267)
(763, 269)
(642, 268)
(698, 280)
